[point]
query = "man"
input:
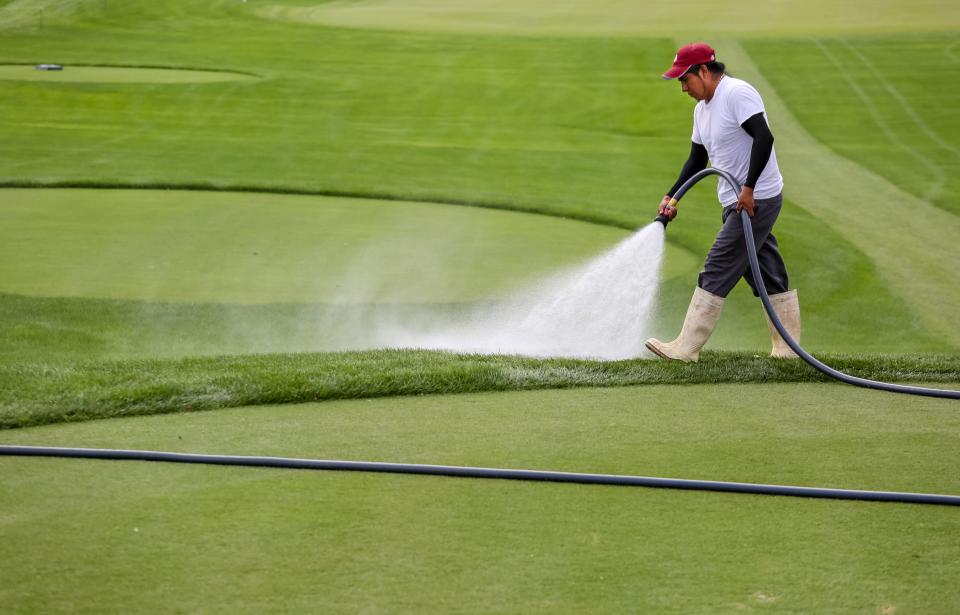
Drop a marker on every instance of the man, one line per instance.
(730, 130)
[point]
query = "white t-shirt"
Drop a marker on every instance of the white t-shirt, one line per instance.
(717, 126)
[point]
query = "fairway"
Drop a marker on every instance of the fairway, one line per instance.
(622, 17)
(229, 226)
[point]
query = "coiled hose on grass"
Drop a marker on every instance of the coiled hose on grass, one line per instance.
(765, 299)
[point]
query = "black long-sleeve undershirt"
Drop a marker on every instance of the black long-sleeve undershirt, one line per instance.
(697, 161)
(756, 127)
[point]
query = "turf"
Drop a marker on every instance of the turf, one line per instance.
(289, 540)
(189, 246)
(43, 393)
(121, 273)
(114, 74)
(881, 114)
(568, 126)
(500, 121)
(554, 110)
(620, 18)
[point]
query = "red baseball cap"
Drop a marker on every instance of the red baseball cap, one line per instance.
(687, 56)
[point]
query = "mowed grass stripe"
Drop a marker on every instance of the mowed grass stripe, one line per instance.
(882, 115)
(618, 17)
(934, 175)
(902, 100)
(912, 242)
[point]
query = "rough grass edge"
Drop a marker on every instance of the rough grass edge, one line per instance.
(41, 394)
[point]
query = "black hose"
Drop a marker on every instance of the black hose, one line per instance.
(761, 288)
(472, 472)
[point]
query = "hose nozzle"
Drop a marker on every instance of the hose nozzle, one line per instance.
(663, 218)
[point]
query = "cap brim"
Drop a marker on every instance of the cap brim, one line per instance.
(675, 71)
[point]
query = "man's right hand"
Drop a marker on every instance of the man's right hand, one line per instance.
(666, 209)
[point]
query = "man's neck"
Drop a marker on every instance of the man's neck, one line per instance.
(712, 88)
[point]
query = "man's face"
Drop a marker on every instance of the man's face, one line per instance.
(692, 83)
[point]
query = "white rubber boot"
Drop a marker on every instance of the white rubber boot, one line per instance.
(787, 307)
(702, 317)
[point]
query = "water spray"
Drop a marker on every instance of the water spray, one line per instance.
(553, 476)
(765, 299)
(599, 309)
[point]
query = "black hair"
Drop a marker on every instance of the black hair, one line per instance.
(717, 68)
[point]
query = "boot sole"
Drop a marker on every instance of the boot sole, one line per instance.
(655, 351)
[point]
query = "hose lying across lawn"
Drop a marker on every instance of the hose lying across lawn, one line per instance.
(470, 472)
(560, 477)
(764, 297)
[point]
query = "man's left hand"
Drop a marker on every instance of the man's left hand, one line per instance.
(746, 201)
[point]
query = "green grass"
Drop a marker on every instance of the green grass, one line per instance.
(166, 303)
(429, 117)
(576, 127)
(870, 99)
(114, 74)
(190, 246)
(40, 393)
(612, 18)
(121, 273)
(249, 540)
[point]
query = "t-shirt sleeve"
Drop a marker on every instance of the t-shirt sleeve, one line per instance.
(745, 102)
(695, 137)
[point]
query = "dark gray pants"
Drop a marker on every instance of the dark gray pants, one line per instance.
(727, 260)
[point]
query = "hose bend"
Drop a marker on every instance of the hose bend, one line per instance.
(768, 306)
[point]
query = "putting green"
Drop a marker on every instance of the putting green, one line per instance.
(258, 539)
(867, 438)
(116, 74)
(624, 17)
(265, 248)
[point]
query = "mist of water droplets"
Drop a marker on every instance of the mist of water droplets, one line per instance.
(601, 309)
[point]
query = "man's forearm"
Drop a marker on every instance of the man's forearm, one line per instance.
(697, 161)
